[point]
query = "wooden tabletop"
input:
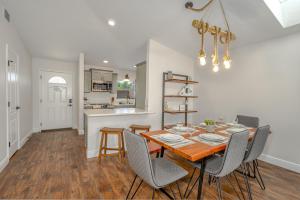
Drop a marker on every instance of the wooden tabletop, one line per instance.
(198, 150)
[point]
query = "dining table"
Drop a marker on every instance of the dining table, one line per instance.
(194, 148)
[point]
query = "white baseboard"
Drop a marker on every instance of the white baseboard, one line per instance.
(92, 153)
(4, 163)
(280, 162)
(25, 139)
(80, 132)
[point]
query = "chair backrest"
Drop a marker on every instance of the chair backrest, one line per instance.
(138, 157)
(234, 153)
(248, 121)
(258, 143)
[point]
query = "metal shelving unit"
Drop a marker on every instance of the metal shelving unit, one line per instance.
(179, 79)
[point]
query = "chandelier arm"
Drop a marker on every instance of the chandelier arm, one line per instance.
(199, 9)
(224, 14)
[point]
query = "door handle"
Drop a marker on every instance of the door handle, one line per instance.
(18, 108)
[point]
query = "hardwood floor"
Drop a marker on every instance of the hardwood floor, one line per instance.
(52, 165)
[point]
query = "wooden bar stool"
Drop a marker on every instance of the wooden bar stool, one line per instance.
(103, 142)
(153, 147)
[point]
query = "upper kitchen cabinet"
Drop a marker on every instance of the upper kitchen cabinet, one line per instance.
(87, 81)
(101, 80)
(101, 75)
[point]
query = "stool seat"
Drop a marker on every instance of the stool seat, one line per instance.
(112, 130)
(140, 127)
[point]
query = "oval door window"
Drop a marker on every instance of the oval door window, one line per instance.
(57, 80)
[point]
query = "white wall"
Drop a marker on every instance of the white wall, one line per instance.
(9, 35)
(80, 72)
(162, 59)
(141, 74)
(264, 81)
(39, 64)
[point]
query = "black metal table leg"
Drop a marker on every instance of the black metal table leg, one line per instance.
(201, 177)
(162, 151)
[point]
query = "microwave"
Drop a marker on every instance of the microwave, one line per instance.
(101, 86)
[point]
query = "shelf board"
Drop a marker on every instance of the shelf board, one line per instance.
(181, 81)
(179, 112)
(178, 96)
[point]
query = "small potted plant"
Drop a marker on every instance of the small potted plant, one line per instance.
(210, 125)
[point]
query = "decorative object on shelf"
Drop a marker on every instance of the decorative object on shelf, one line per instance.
(225, 37)
(186, 91)
(169, 75)
(182, 107)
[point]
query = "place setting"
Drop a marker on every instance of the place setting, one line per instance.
(173, 140)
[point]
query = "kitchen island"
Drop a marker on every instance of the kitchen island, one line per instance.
(95, 119)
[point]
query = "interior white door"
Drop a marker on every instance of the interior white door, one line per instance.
(13, 107)
(56, 100)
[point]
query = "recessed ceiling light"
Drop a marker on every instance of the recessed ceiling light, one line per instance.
(134, 66)
(105, 61)
(111, 22)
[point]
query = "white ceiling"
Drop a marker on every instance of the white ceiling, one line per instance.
(61, 29)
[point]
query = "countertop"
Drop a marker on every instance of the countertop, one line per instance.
(114, 112)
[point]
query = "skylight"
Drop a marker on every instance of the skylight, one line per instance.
(287, 12)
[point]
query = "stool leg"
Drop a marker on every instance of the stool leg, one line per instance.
(101, 146)
(123, 146)
(105, 145)
(119, 146)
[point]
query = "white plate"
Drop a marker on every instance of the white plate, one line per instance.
(203, 124)
(183, 129)
(235, 130)
(212, 137)
(171, 137)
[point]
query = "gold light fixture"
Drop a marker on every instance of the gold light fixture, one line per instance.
(219, 35)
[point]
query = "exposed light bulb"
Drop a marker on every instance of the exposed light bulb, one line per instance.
(227, 62)
(202, 57)
(111, 22)
(216, 68)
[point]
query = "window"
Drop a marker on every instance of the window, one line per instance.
(57, 80)
(124, 85)
(287, 12)
(126, 89)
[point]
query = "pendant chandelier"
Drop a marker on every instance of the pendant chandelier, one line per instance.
(224, 37)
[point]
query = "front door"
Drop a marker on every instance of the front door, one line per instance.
(56, 102)
(13, 103)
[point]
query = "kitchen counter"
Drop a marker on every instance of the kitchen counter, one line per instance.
(95, 119)
(114, 112)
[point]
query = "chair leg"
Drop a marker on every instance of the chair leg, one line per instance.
(230, 182)
(238, 183)
(137, 189)
(247, 182)
(179, 189)
(131, 187)
(259, 178)
(189, 182)
(172, 192)
(193, 187)
(219, 188)
(153, 193)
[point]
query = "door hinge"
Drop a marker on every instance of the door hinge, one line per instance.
(41, 77)
(41, 124)
(41, 100)
(8, 144)
(8, 103)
